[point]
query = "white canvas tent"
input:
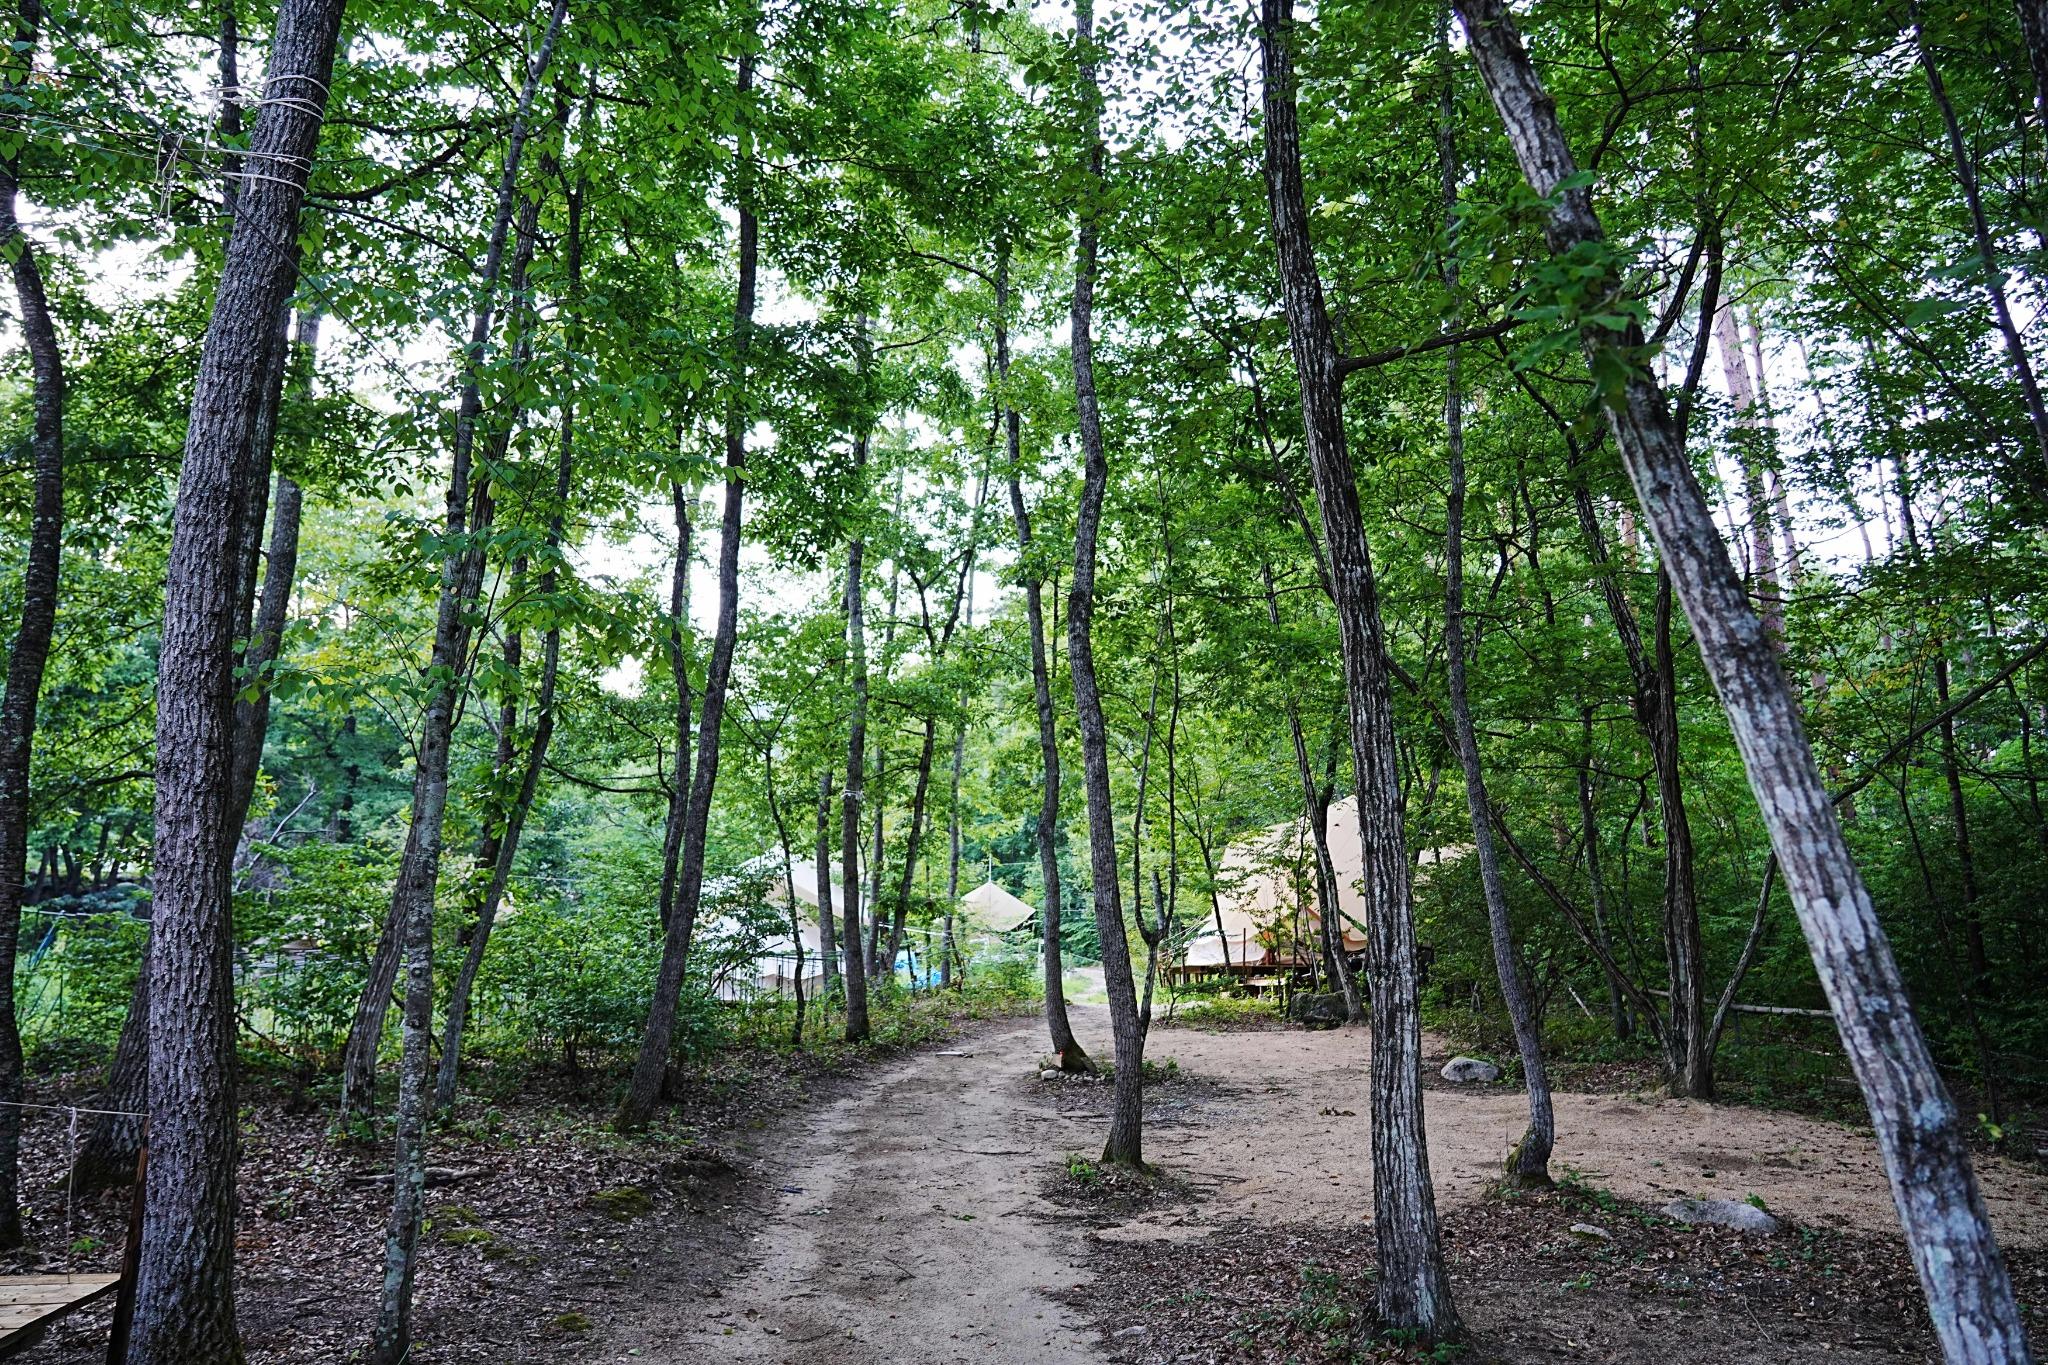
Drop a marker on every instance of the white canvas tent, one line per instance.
(773, 965)
(1267, 896)
(994, 907)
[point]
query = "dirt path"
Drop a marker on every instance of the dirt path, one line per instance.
(907, 1222)
(905, 1229)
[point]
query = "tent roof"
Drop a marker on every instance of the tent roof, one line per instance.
(1268, 877)
(997, 907)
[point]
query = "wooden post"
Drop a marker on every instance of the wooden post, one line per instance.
(131, 1259)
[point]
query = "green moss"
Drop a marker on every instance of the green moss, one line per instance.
(467, 1237)
(623, 1203)
(572, 1322)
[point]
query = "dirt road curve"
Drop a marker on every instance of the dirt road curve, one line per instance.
(907, 1225)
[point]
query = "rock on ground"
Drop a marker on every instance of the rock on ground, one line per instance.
(1722, 1213)
(1325, 1010)
(1466, 1070)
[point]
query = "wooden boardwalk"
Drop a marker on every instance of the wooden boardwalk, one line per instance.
(30, 1303)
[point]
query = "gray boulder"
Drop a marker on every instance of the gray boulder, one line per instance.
(1722, 1213)
(1317, 1011)
(1470, 1070)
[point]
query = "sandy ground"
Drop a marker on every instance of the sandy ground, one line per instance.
(907, 1223)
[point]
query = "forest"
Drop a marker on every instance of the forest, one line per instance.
(942, 680)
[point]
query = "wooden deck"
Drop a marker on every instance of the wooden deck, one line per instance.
(30, 1303)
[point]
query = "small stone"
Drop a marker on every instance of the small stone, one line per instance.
(1722, 1213)
(1467, 1070)
(1591, 1233)
(1132, 1333)
(1049, 1074)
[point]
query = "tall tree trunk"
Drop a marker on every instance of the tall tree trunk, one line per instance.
(828, 932)
(1987, 250)
(184, 1295)
(457, 1009)
(1589, 836)
(1688, 1061)
(471, 509)
(878, 802)
(29, 651)
(1414, 1291)
(1968, 1290)
(948, 950)
(1316, 811)
(1691, 1064)
(2034, 27)
(652, 1064)
(1126, 1143)
(1763, 551)
(1529, 1163)
(919, 800)
(1066, 1048)
(412, 898)
(675, 646)
(854, 974)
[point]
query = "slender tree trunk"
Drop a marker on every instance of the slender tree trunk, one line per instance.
(184, 1296)
(1987, 250)
(1125, 1145)
(1066, 1048)
(1589, 835)
(29, 651)
(919, 799)
(948, 950)
(855, 971)
(675, 638)
(1414, 1290)
(1763, 553)
(1691, 1064)
(470, 512)
(1316, 811)
(828, 932)
(796, 936)
(1968, 1290)
(1687, 1064)
(652, 1064)
(457, 1010)
(412, 898)
(1529, 1163)
(2034, 26)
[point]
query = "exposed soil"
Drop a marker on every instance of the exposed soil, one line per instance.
(942, 1207)
(540, 1221)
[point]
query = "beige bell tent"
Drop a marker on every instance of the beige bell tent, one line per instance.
(771, 968)
(1266, 897)
(994, 907)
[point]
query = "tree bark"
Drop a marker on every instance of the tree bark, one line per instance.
(828, 932)
(1528, 1164)
(1316, 812)
(2034, 27)
(1987, 250)
(412, 898)
(107, 1155)
(652, 1064)
(29, 651)
(1066, 1048)
(1968, 1291)
(854, 974)
(1125, 1144)
(184, 1295)
(1413, 1288)
(679, 674)
(470, 513)
(507, 847)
